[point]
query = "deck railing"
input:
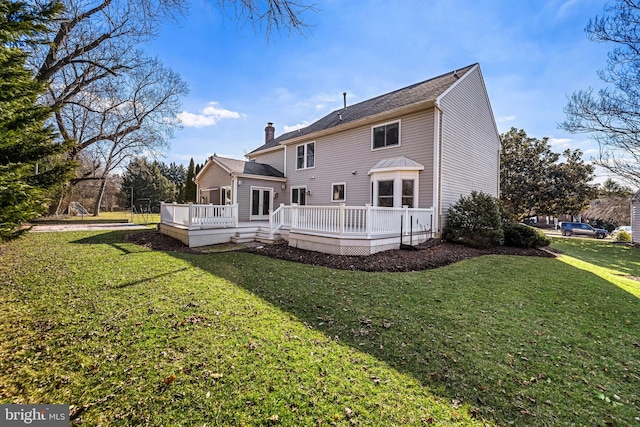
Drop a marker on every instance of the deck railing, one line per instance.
(343, 221)
(195, 216)
(280, 218)
(352, 221)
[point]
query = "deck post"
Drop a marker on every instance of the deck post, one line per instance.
(368, 220)
(341, 221)
(270, 224)
(294, 216)
(406, 218)
(190, 219)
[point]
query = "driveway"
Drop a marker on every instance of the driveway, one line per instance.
(46, 228)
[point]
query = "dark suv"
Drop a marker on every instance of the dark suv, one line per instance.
(580, 229)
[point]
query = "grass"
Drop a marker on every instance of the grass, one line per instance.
(131, 336)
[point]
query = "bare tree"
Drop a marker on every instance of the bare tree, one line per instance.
(612, 115)
(110, 99)
(268, 16)
(134, 117)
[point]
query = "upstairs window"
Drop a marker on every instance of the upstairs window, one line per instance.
(306, 155)
(387, 135)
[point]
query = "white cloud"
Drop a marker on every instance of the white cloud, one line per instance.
(296, 127)
(505, 119)
(208, 116)
(562, 143)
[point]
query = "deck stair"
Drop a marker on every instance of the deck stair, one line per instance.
(263, 236)
(246, 235)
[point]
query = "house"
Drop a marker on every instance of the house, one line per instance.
(418, 148)
(635, 218)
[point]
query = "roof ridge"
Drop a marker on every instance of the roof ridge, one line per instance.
(387, 101)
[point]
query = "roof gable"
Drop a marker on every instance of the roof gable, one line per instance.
(243, 167)
(428, 90)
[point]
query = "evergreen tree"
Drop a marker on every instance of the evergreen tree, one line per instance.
(190, 188)
(29, 167)
(534, 180)
(148, 183)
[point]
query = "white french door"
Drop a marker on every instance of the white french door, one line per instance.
(261, 199)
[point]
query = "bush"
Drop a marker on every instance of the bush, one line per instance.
(622, 236)
(474, 221)
(523, 236)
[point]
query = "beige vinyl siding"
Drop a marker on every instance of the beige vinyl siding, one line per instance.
(244, 195)
(470, 142)
(213, 177)
(338, 155)
(273, 158)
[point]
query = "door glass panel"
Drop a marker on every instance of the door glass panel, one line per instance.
(255, 202)
(265, 202)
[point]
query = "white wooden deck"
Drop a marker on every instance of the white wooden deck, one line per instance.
(343, 230)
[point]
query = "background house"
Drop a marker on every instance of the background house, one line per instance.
(635, 218)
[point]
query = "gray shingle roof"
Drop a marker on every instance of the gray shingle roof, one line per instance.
(427, 90)
(249, 168)
(397, 162)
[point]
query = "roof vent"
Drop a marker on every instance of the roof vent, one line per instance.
(455, 74)
(344, 95)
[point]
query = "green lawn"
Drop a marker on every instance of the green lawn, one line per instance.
(130, 336)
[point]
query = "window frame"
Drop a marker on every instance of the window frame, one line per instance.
(344, 192)
(404, 196)
(302, 188)
(305, 155)
(387, 196)
(397, 176)
(386, 146)
(223, 193)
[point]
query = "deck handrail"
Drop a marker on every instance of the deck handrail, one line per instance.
(193, 216)
(279, 218)
(360, 221)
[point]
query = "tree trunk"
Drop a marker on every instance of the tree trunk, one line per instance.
(98, 201)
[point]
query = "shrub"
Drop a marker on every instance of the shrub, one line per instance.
(524, 236)
(622, 236)
(474, 221)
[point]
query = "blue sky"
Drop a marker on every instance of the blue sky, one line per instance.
(533, 54)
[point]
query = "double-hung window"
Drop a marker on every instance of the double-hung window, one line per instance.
(407, 192)
(299, 195)
(385, 194)
(387, 135)
(306, 155)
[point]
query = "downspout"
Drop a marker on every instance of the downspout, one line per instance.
(285, 162)
(437, 161)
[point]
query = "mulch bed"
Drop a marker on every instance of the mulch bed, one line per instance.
(432, 254)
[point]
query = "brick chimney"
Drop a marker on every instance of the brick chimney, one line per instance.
(269, 133)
